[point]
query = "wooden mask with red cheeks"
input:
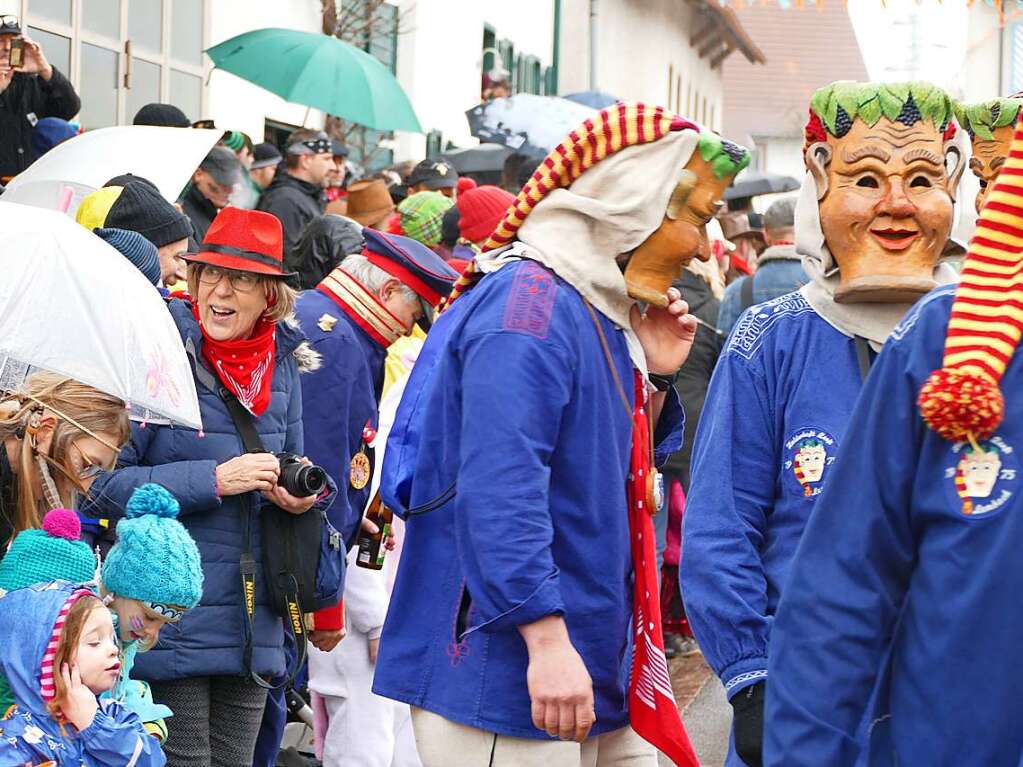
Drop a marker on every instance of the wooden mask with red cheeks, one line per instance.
(886, 170)
(990, 126)
(682, 235)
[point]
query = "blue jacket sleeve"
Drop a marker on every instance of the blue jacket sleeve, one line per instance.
(730, 310)
(721, 572)
(193, 483)
(502, 509)
(848, 580)
(118, 737)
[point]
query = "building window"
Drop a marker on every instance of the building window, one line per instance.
(371, 148)
(123, 54)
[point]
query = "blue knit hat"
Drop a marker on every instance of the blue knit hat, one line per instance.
(136, 248)
(51, 131)
(154, 559)
(51, 554)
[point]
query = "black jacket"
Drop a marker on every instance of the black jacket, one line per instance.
(199, 210)
(27, 96)
(324, 245)
(694, 377)
(295, 202)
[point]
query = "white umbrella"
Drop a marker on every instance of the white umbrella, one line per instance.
(166, 156)
(72, 305)
(526, 121)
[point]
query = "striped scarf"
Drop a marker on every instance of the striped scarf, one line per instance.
(613, 129)
(363, 307)
(962, 401)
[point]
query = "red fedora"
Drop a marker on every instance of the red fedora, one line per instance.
(244, 240)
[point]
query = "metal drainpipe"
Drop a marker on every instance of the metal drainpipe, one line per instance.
(556, 54)
(593, 45)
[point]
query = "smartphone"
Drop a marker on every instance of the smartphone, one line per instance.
(17, 57)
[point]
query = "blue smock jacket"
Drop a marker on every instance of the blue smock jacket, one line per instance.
(519, 407)
(775, 415)
(902, 613)
(210, 637)
(28, 732)
(339, 399)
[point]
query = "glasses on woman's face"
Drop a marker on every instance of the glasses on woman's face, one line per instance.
(243, 282)
(90, 466)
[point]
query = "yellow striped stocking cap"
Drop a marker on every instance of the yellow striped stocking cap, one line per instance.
(962, 401)
(599, 137)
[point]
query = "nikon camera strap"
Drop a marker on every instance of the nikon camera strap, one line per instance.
(247, 564)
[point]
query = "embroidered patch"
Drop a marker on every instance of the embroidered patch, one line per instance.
(326, 322)
(755, 322)
(809, 454)
(531, 301)
(982, 478)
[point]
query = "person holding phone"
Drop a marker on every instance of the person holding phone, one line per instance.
(30, 89)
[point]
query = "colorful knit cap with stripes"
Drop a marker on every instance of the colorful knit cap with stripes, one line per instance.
(962, 401)
(613, 129)
(46, 684)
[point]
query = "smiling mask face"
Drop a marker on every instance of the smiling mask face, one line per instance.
(988, 158)
(886, 211)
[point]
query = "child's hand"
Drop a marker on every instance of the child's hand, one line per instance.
(80, 708)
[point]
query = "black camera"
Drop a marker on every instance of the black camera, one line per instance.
(300, 479)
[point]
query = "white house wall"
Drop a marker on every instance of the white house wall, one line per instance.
(236, 104)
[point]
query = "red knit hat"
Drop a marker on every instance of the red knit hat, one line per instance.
(464, 184)
(244, 240)
(482, 210)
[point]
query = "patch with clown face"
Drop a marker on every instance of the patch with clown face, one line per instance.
(982, 477)
(809, 454)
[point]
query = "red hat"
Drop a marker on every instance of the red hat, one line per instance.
(244, 240)
(464, 184)
(482, 210)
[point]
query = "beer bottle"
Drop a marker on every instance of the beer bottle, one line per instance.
(371, 546)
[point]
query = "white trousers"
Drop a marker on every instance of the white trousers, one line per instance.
(443, 743)
(363, 729)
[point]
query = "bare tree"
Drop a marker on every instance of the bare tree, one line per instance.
(358, 22)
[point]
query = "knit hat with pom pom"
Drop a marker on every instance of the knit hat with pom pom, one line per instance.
(51, 554)
(963, 400)
(154, 559)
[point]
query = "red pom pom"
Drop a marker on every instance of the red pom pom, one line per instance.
(961, 405)
(814, 131)
(950, 131)
(63, 523)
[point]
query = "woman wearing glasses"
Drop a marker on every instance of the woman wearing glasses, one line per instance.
(234, 333)
(57, 434)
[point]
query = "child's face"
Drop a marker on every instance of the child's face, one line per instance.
(97, 656)
(137, 622)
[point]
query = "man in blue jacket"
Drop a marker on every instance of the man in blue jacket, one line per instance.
(363, 306)
(896, 639)
(509, 629)
(877, 198)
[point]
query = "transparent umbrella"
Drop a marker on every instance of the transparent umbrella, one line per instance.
(72, 305)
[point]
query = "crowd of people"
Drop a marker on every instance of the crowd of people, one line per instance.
(616, 421)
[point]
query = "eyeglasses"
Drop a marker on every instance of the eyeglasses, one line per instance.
(89, 468)
(243, 282)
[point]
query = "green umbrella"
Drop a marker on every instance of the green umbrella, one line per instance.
(319, 71)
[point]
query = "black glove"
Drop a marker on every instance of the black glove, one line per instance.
(748, 723)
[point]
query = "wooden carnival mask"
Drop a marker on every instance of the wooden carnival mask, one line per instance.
(682, 235)
(885, 185)
(990, 126)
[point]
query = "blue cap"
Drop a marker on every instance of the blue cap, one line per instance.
(411, 262)
(51, 131)
(136, 248)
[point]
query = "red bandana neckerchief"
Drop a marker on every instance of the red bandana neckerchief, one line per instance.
(363, 307)
(245, 367)
(653, 711)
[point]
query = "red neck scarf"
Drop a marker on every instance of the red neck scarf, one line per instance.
(653, 711)
(246, 366)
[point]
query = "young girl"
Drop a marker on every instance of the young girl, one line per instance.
(60, 656)
(151, 576)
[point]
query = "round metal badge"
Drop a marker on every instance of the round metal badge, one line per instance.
(360, 470)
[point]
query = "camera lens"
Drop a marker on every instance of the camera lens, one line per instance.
(300, 479)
